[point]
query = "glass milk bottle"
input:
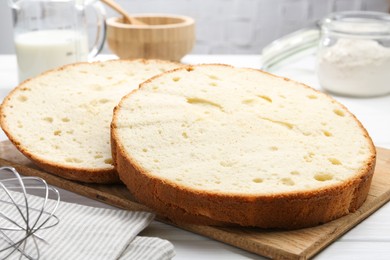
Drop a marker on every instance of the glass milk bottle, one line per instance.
(52, 33)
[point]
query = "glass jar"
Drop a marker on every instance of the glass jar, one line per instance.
(353, 58)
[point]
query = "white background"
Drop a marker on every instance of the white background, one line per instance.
(227, 26)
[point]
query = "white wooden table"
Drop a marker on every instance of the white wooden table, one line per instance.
(369, 240)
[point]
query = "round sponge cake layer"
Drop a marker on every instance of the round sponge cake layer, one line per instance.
(241, 146)
(61, 119)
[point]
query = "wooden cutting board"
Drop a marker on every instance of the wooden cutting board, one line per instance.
(297, 244)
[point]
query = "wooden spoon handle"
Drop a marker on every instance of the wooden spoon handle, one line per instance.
(127, 18)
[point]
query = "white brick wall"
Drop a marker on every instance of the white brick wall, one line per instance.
(246, 26)
(229, 26)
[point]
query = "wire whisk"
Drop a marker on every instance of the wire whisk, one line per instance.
(22, 219)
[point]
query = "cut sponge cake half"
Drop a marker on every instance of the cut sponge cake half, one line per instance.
(217, 144)
(61, 119)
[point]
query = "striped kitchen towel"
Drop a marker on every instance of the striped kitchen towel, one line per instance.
(82, 232)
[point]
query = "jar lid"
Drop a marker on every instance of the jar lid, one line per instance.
(359, 23)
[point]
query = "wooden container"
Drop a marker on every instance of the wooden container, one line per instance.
(167, 37)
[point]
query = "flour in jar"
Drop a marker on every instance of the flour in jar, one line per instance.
(355, 67)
